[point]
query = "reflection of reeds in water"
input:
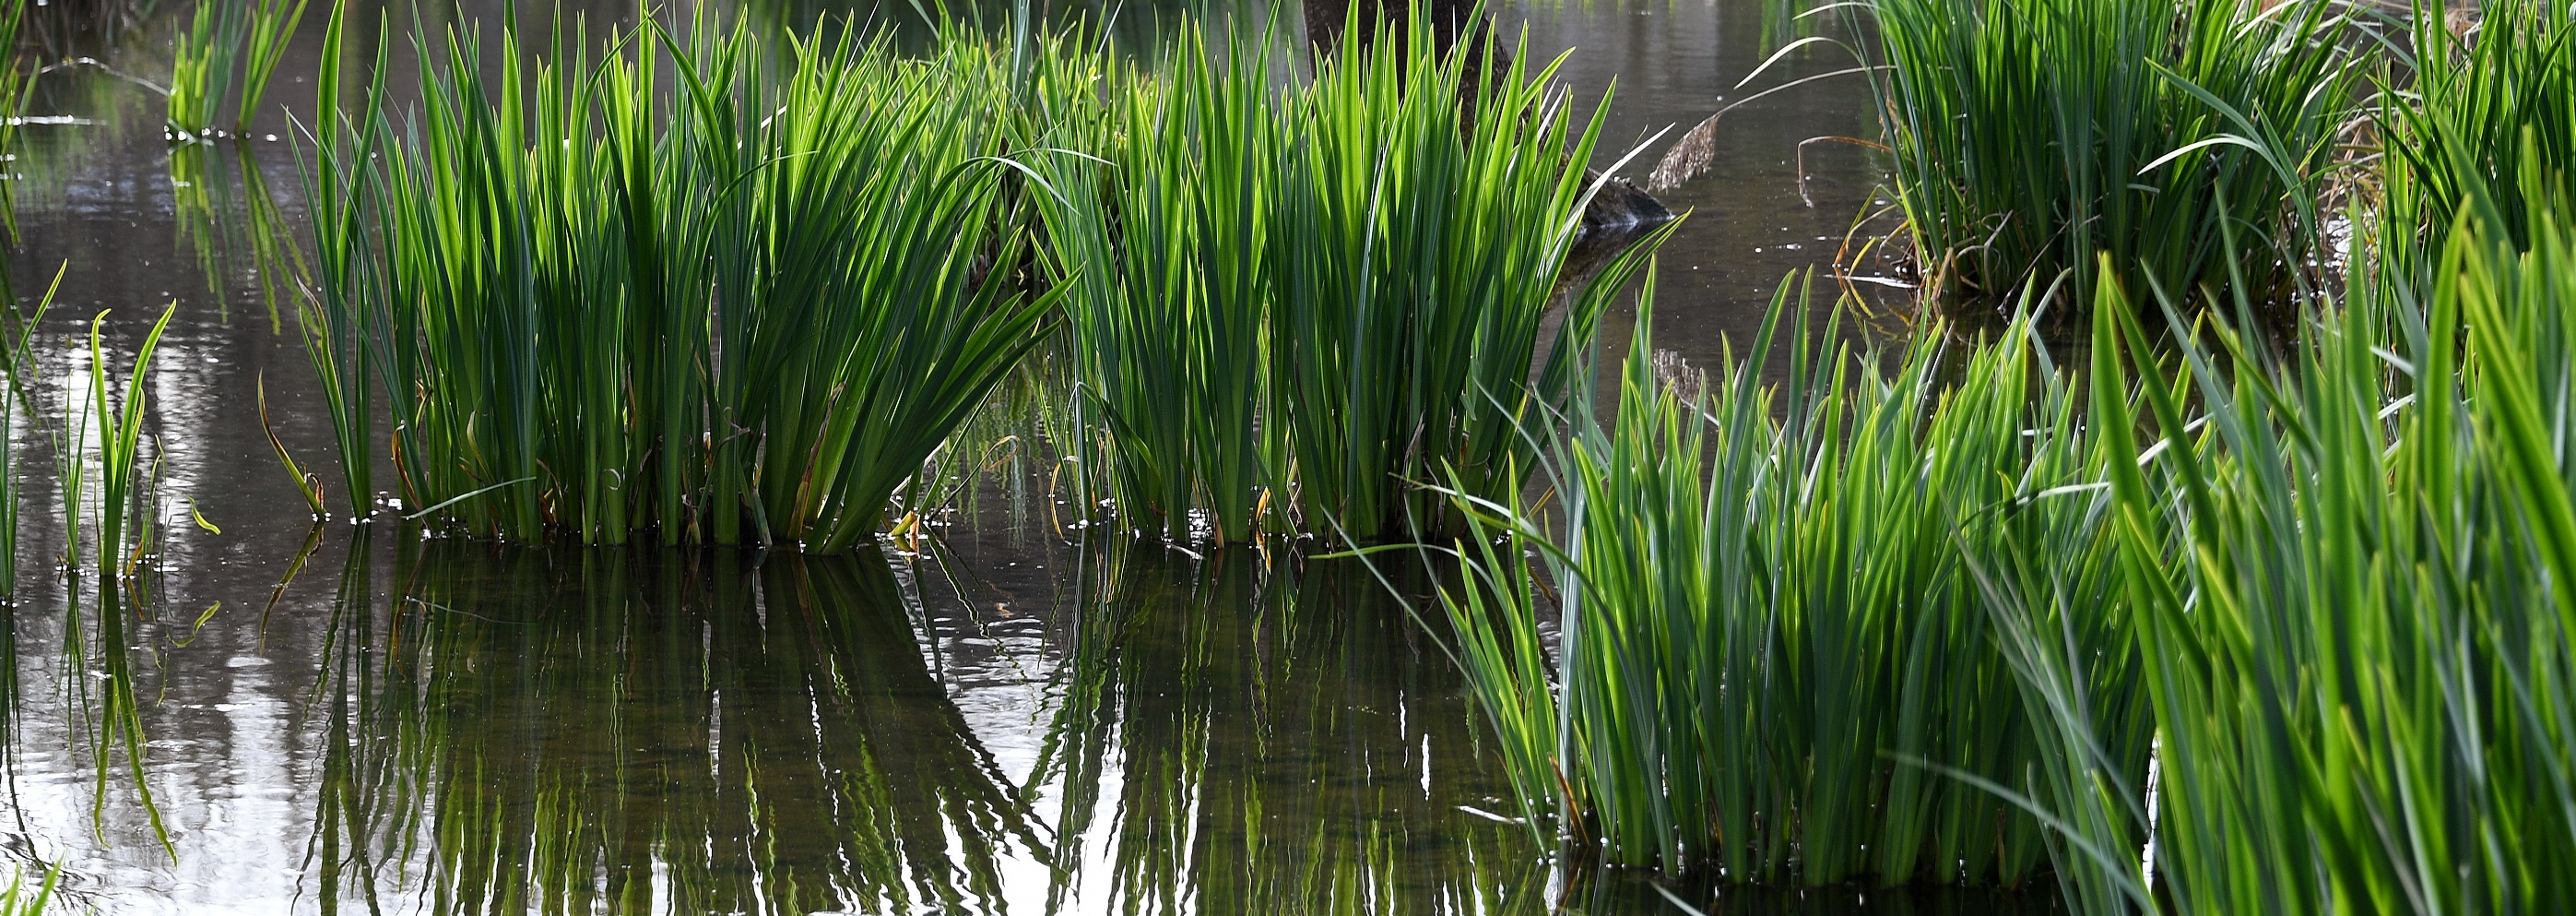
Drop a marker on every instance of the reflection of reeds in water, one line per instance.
(649, 733)
(1268, 740)
(2188, 141)
(231, 221)
(104, 487)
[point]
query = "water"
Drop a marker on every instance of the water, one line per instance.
(358, 719)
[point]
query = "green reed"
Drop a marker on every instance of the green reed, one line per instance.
(125, 496)
(19, 344)
(20, 900)
(1773, 659)
(2028, 137)
(1163, 238)
(1424, 222)
(750, 314)
(2483, 115)
(230, 50)
(1292, 304)
(2343, 581)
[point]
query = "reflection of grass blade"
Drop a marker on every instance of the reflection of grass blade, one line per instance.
(1275, 743)
(663, 734)
(17, 348)
(122, 503)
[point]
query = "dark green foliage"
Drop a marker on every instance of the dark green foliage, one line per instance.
(2188, 140)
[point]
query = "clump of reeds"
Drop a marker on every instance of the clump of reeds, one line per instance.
(2186, 139)
(2489, 109)
(2345, 576)
(231, 46)
(1293, 305)
(126, 498)
(1773, 658)
(2239, 628)
(750, 314)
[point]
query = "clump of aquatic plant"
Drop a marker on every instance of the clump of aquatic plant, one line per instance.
(230, 50)
(1293, 305)
(2490, 110)
(2345, 580)
(752, 313)
(2187, 140)
(109, 491)
(1163, 235)
(1773, 660)
(125, 496)
(1424, 220)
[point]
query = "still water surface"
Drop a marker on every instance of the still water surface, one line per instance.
(357, 719)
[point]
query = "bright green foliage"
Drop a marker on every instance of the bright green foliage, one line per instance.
(1293, 305)
(2361, 666)
(2481, 120)
(2028, 136)
(125, 496)
(1770, 655)
(1162, 240)
(229, 44)
(750, 314)
(22, 900)
(1423, 222)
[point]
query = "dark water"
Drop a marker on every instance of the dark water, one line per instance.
(358, 719)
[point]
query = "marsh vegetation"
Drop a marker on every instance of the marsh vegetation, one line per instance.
(787, 460)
